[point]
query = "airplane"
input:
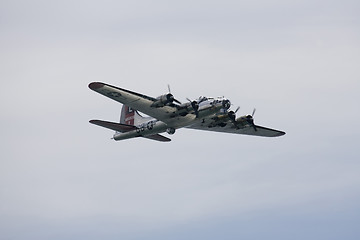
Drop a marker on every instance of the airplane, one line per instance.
(167, 114)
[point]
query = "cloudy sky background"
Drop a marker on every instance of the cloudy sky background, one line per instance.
(297, 62)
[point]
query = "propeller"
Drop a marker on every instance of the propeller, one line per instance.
(250, 119)
(232, 116)
(195, 106)
(172, 96)
(202, 99)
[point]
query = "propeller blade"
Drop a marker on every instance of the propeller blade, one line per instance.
(252, 120)
(195, 106)
(252, 115)
(237, 109)
(202, 100)
(177, 101)
(169, 88)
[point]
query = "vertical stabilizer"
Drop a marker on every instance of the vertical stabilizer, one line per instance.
(127, 115)
(130, 116)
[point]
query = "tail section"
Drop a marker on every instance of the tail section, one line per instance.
(130, 126)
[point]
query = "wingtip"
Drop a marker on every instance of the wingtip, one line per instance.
(96, 85)
(281, 133)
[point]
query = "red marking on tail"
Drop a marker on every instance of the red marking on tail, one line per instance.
(129, 116)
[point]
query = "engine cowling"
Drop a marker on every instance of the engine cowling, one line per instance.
(246, 120)
(185, 108)
(163, 100)
(170, 131)
(226, 104)
(242, 121)
(232, 116)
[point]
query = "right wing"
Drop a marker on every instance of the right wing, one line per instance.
(136, 101)
(228, 127)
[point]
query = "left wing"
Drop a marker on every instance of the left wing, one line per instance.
(228, 127)
(136, 101)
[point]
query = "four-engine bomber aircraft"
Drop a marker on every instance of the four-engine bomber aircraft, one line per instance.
(168, 114)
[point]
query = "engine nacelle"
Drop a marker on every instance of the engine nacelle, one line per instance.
(232, 116)
(163, 100)
(185, 108)
(244, 120)
(221, 118)
(225, 117)
(226, 104)
(170, 131)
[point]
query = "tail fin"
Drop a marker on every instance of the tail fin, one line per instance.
(130, 116)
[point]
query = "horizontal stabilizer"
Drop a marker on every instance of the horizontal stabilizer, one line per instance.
(158, 137)
(113, 126)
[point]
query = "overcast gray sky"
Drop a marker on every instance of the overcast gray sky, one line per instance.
(297, 62)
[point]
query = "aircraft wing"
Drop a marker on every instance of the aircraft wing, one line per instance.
(246, 130)
(135, 100)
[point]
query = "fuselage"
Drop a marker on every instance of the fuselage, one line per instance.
(149, 126)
